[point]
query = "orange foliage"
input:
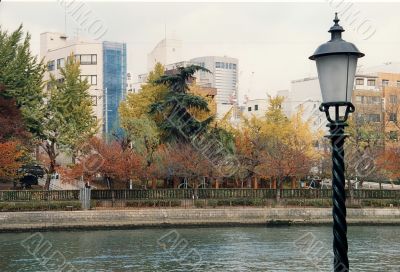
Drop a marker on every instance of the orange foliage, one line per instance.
(110, 160)
(389, 161)
(183, 160)
(9, 159)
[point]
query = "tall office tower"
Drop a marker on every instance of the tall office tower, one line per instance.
(167, 51)
(223, 77)
(114, 82)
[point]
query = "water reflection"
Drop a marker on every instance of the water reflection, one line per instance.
(373, 248)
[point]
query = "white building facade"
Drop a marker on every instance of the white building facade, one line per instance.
(305, 95)
(255, 108)
(223, 77)
(103, 64)
(167, 51)
(55, 48)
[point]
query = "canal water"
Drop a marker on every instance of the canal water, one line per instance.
(295, 248)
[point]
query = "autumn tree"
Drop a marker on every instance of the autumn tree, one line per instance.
(183, 160)
(175, 121)
(20, 91)
(115, 164)
(275, 147)
(389, 162)
(65, 117)
(365, 142)
(10, 160)
(137, 105)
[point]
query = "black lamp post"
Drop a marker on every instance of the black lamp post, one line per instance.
(336, 64)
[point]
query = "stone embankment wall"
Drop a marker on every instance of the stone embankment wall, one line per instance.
(50, 220)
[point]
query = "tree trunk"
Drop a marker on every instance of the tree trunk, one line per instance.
(278, 183)
(165, 182)
(216, 183)
(293, 180)
(153, 184)
(350, 191)
(273, 183)
(236, 182)
(255, 183)
(175, 182)
(73, 158)
(51, 153)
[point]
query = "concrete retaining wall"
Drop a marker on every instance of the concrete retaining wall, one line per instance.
(13, 221)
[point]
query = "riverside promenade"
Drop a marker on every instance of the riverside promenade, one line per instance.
(175, 217)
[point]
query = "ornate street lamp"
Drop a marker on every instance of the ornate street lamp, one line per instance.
(336, 64)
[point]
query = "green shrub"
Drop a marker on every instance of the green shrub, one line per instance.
(39, 206)
(322, 203)
(380, 202)
(199, 203)
(152, 203)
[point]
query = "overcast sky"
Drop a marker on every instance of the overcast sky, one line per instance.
(271, 40)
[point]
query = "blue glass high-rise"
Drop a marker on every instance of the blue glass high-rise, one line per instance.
(114, 84)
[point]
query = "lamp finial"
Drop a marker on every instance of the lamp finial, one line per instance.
(336, 30)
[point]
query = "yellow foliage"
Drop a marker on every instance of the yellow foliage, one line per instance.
(137, 105)
(212, 105)
(277, 144)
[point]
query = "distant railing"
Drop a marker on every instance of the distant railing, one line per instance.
(237, 193)
(173, 194)
(30, 195)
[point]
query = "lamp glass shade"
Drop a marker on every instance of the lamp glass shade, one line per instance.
(336, 76)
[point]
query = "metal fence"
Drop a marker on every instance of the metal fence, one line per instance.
(30, 195)
(60, 195)
(237, 193)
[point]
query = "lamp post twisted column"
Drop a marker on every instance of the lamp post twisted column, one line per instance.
(337, 137)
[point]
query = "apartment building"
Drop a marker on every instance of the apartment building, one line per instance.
(103, 64)
(367, 98)
(255, 108)
(390, 84)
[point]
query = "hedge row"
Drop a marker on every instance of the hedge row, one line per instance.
(40, 206)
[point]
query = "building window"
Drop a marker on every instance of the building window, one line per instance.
(385, 82)
(249, 109)
(86, 59)
(398, 83)
(371, 82)
(374, 117)
(60, 63)
(230, 65)
(94, 100)
(393, 135)
(51, 65)
(359, 81)
(371, 99)
(393, 99)
(360, 118)
(61, 80)
(234, 66)
(256, 107)
(217, 64)
(393, 117)
(92, 79)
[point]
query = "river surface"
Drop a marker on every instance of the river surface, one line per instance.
(295, 248)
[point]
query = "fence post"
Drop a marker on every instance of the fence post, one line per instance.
(84, 197)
